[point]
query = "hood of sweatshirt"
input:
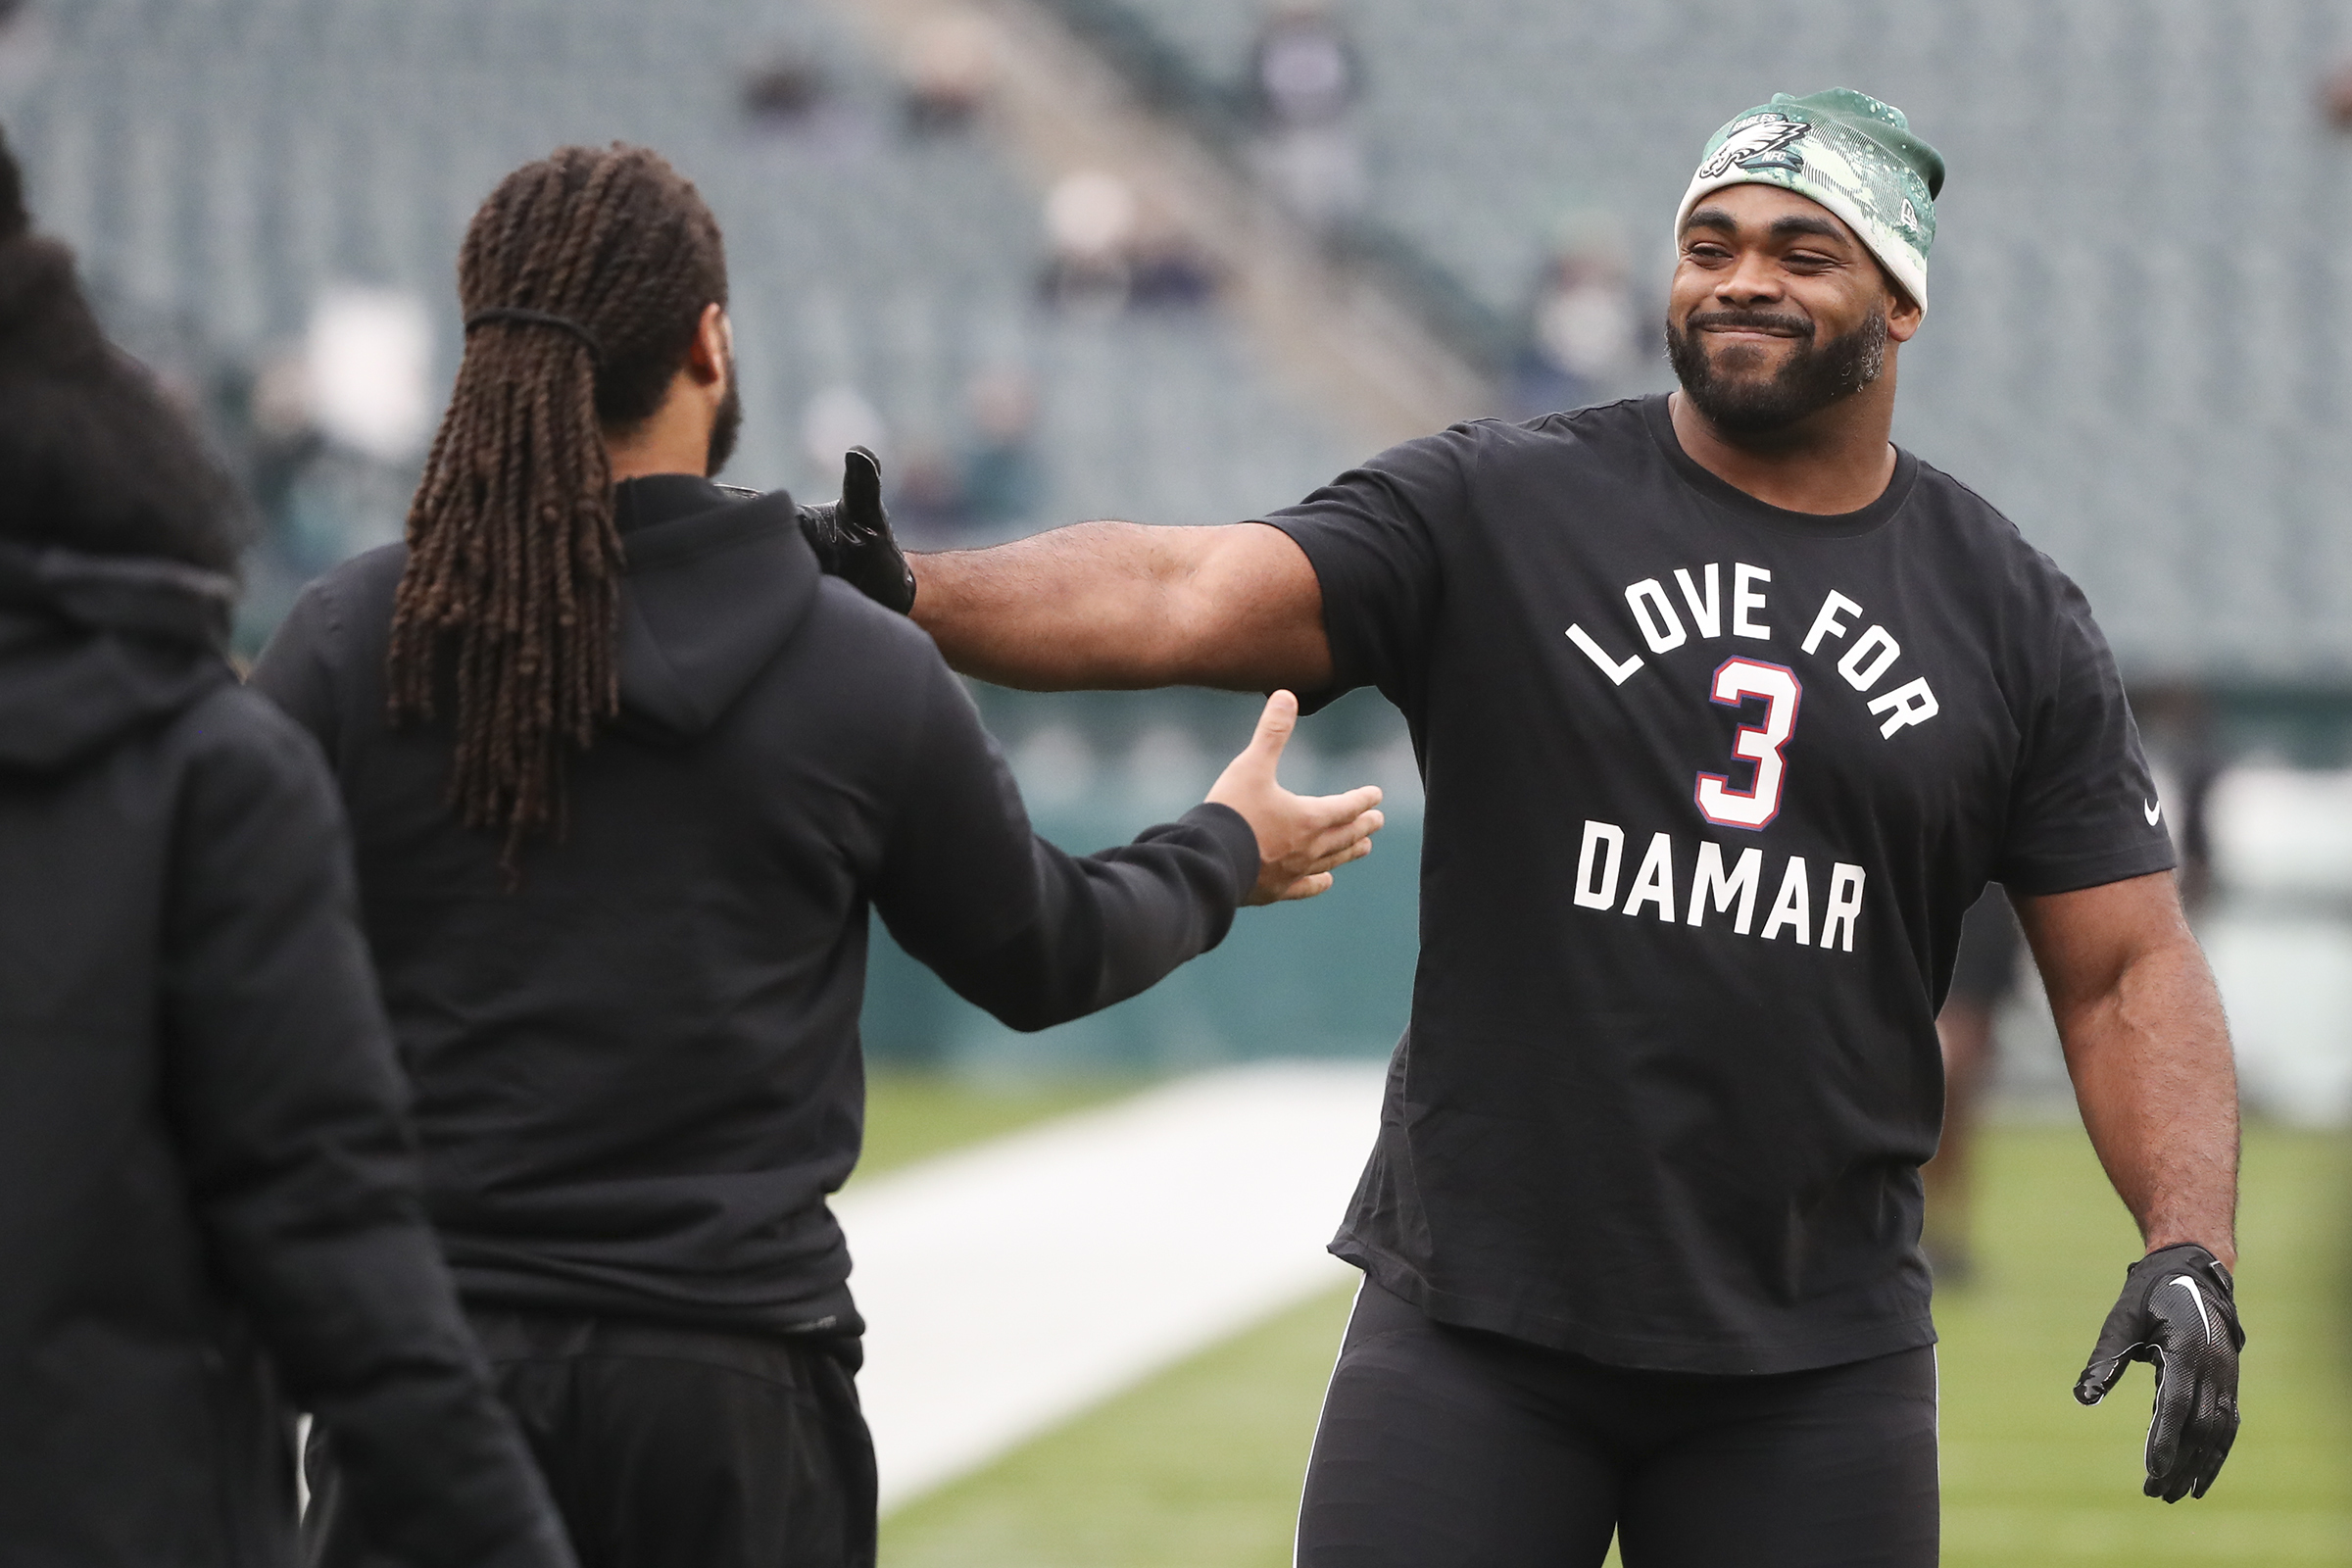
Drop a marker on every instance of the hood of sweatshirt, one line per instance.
(718, 580)
(93, 647)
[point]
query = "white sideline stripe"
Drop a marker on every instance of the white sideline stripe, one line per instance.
(1008, 1287)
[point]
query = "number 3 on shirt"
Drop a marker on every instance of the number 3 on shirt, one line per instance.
(1737, 680)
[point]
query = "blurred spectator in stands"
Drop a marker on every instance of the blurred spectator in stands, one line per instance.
(1584, 331)
(324, 434)
(1165, 271)
(1107, 253)
(282, 437)
(787, 92)
(1984, 974)
(2175, 724)
(285, 450)
(1090, 226)
(368, 363)
(333, 429)
(991, 487)
(1002, 480)
(950, 72)
(1304, 79)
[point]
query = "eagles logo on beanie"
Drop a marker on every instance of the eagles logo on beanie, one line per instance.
(1852, 154)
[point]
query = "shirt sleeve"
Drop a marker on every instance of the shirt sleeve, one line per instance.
(2082, 806)
(288, 1106)
(1372, 537)
(1014, 924)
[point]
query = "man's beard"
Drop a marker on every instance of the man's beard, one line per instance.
(726, 424)
(1814, 375)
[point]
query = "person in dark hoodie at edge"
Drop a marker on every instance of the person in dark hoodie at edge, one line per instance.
(209, 1206)
(626, 768)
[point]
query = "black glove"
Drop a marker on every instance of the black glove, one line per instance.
(2177, 1313)
(852, 536)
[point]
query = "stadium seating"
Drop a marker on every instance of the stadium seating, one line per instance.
(222, 160)
(2137, 247)
(2134, 237)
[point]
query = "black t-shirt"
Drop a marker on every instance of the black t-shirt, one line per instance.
(1710, 786)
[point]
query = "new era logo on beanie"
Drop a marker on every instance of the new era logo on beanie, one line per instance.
(1848, 151)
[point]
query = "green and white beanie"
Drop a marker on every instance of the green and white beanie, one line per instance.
(1848, 151)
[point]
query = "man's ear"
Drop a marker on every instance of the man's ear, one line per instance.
(1903, 313)
(714, 347)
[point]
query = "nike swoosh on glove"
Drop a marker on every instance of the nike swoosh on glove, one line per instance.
(2177, 1313)
(852, 536)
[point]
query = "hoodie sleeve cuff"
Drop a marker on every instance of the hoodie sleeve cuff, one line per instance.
(1234, 839)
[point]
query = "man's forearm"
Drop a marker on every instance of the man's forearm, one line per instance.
(1076, 608)
(2150, 1060)
(1119, 606)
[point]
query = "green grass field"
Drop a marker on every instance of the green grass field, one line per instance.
(2029, 1477)
(1200, 1467)
(911, 1115)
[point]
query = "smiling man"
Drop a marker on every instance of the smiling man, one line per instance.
(1728, 708)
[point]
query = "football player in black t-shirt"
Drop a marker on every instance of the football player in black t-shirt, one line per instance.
(1728, 710)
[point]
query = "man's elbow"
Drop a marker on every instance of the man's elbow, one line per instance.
(1023, 1002)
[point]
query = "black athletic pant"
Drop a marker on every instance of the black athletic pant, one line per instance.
(1446, 1446)
(671, 1449)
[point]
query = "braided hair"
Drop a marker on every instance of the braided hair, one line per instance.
(584, 278)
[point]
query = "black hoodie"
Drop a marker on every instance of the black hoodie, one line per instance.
(207, 1202)
(638, 1076)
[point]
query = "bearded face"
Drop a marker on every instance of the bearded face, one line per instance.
(1735, 383)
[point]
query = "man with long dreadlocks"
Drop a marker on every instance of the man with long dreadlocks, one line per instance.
(625, 769)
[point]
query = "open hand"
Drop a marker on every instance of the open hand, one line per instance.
(2179, 1313)
(1301, 838)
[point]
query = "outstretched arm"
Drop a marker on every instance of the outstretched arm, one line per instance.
(2141, 1024)
(1038, 937)
(2149, 1054)
(1118, 606)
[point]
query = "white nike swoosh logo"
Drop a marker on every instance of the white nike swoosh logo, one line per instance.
(2152, 811)
(2198, 1297)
